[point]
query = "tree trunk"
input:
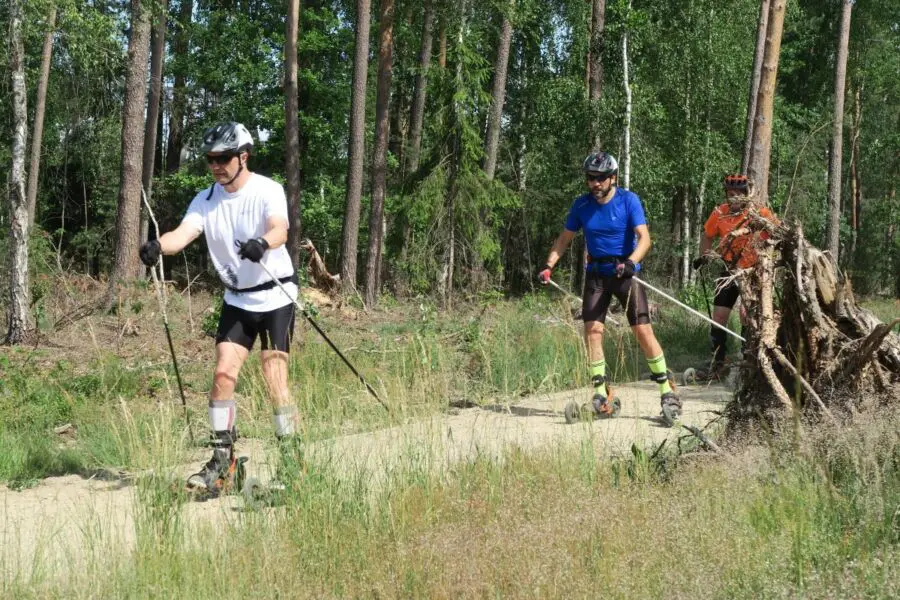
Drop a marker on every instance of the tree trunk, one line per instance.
(598, 17)
(18, 203)
(855, 185)
(355, 149)
(39, 109)
(417, 111)
(129, 201)
(180, 47)
(498, 97)
(758, 170)
(626, 146)
(442, 44)
(157, 55)
(833, 231)
(762, 24)
(379, 160)
(686, 250)
(292, 129)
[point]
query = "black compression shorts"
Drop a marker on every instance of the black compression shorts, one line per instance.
(275, 328)
(599, 291)
(726, 296)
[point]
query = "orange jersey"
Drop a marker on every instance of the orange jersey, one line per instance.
(738, 248)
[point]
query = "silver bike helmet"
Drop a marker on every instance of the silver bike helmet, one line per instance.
(226, 137)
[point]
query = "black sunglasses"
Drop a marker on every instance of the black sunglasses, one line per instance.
(221, 159)
(597, 177)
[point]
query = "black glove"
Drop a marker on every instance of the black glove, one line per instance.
(150, 252)
(254, 249)
(700, 262)
(624, 270)
(544, 274)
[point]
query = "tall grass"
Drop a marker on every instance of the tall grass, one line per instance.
(816, 517)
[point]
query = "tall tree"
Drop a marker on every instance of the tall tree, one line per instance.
(417, 111)
(833, 231)
(762, 25)
(355, 149)
(498, 94)
(129, 200)
(765, 101)
(180, 49)
(18, 218)
(626, 143)
(157, 56)
(379, 159)
(292, 128)
(595, 66)
(40, 106)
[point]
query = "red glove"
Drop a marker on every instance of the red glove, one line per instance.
(544, 274)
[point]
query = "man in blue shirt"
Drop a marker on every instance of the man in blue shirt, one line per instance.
(617, 238)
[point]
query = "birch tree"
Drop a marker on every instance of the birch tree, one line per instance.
(18, 217)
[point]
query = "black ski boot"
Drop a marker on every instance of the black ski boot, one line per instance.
(671, 408)
(223, 473)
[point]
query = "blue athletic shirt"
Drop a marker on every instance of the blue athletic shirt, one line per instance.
(608, 228)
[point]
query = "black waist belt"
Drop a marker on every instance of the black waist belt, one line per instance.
(605, 260)
(268, 285)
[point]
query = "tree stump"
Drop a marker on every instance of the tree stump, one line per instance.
(811, 350)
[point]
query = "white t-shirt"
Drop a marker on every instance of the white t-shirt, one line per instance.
(242, 215)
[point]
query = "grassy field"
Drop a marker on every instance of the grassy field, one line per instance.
(816, 515)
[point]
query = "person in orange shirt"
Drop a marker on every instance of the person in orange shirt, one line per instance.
(736, 251)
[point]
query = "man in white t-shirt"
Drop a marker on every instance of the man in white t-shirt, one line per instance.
(245, 220)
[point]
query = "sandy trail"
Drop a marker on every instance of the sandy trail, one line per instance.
(68, 521)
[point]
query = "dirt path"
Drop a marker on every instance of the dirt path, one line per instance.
(64, 521)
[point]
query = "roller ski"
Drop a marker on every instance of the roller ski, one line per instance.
(706, 374)
(600, 406)
(224, 473)
(289, 472)
(670, 405)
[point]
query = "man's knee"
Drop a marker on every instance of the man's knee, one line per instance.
(223, 382)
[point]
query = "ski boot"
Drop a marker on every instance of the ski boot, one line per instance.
(289, 472)
(600, 406)
(223, 473)
(670, 404)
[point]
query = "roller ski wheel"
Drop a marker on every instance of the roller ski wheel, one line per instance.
(572, 412)
(258, 495)
(705, 374)
(670, 406)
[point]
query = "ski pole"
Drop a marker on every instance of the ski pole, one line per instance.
(688, 308)
(161, 295)
(318, 329)
(571, 295)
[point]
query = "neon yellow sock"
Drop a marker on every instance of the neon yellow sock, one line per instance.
(658, 368)
(599, 368)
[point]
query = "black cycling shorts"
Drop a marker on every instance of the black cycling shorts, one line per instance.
(599, 291)
(726, 296)
(275, 328)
